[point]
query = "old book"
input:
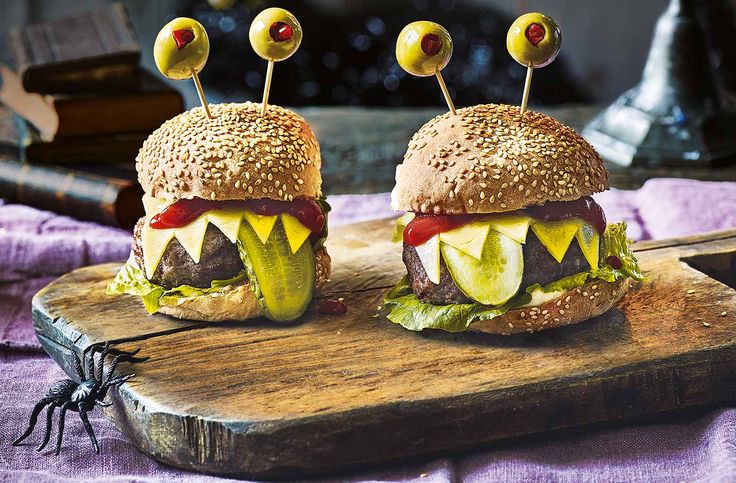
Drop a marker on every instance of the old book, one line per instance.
(109, 200)
(138, 107)
(71, 54)
(112, 149)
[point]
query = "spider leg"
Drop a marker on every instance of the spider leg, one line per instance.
(123, 358)
(89, 355)
(78, 367)
(49, 424)
(34, 417)
(60, 435)
(120, 355)
(88, 427)
(118, 380)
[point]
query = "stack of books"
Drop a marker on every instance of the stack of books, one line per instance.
(83, 106)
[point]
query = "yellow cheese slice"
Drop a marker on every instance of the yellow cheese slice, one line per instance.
(556, 236)
(228, 221)
(262, 224)
(429, 255)
(191, 237)
(153, 206)
(296, 233)
(153, 243)
(589, 242)
(468, 238)
(513, 226)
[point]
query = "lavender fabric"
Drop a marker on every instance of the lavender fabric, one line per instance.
(37, 246)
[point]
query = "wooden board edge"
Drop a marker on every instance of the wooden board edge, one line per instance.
(467, 421)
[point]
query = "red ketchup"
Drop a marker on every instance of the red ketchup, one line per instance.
(424, 227)
(332, 307)
(184, 212)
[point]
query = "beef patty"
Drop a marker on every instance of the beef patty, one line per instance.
(539, 267)
(219, 260)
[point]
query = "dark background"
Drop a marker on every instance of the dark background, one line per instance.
(347, 56)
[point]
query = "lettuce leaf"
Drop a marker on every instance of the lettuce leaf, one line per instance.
(408, 311)
(398, 234)
(130, 279)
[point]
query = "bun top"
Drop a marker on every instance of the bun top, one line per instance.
(486, 159)
(236, 155)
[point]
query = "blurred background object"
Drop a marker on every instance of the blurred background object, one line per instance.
(683, 110)
(347, 53)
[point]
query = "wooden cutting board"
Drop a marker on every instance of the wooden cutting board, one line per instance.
(336, 392)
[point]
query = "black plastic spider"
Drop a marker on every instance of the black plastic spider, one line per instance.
(81, 397)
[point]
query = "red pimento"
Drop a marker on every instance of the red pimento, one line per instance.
(183, 212)
(431, 44)
(424, 226)
(280, 31)
(535, 33)
(332, 307)
(182, 37)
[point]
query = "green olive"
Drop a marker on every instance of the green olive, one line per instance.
(221, 4)
(275, 34)
(534, 40)
(423, 48)
(181, 47)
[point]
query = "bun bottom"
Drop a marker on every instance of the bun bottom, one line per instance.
(591, 300)
(236, 302)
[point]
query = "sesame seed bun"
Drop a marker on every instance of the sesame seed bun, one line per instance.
(236, 302)
(591, 300)
(486, 159)
(236, 155)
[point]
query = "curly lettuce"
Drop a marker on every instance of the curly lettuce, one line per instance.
(408, 311)
(130, 279)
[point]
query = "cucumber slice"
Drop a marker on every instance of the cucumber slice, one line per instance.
(286, 280)
(493, 279)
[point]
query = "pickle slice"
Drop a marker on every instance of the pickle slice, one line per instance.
(286, 280)
(493, 279)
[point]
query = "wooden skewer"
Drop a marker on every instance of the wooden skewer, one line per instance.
(527, 87)
(200, 92)
(267, 86)
(445, 92)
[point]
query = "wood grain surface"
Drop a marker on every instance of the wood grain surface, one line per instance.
(334, 392)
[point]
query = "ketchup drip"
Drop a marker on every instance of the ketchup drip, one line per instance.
(183, 212)
(424, 227)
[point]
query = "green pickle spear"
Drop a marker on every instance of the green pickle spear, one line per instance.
(286, 279)
(493, 279)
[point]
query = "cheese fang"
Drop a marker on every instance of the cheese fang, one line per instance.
(154, 241)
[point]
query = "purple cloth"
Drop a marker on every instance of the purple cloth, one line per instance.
(696, 448)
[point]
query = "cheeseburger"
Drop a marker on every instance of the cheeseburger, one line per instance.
(235, 219)
(501, 234)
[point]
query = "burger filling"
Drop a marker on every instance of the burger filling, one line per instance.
(196, 247)
(463, 268)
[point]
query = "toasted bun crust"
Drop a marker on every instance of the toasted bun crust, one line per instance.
(236, 155)
(486, 159)
(591, 300)
(237, 302)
